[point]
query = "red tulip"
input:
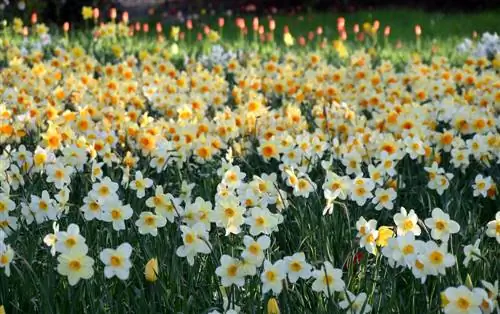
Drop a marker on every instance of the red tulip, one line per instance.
(240, 23)
(340, 23)
(387, 31)
(125, 17)
(34, 18)
(112, 13)
(255, 23)
(272, 25)
(343, 35)
(302, 41)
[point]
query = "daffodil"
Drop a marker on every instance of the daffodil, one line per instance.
(117, 261)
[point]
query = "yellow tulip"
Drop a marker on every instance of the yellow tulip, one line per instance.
(174, 32)
(151, 270)
(288, 39)
(340, 48)
(2, 309)
(272, 306)
(367, 27)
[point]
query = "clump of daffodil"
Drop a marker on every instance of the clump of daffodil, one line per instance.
(41, 29)
(18, 25)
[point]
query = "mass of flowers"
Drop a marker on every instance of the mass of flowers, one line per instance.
(234, 181)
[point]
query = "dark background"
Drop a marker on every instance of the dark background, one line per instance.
(53, 10)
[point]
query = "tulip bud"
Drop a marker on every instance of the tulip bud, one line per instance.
(112, 14)
(240, 22)
(323, 44)
(2, 309)
(25, 31)
(340, 23)
(137, 26)
(310, 36)
(145, 27)
(272, 306)
(159, 28)
(343, 35)
(319, 30)
(272, 25)
(468, 282)
(255, 23)
(376, 25)
(302, 41)
(261, 29)
(206, 29)
(285, 29)
(151, 270)
(34, 18)
(387, 31)
(189, 24)
(66, 27)
(95, 13)
(125, 17)
(356, 28)
(418, 30)
(221, 22)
